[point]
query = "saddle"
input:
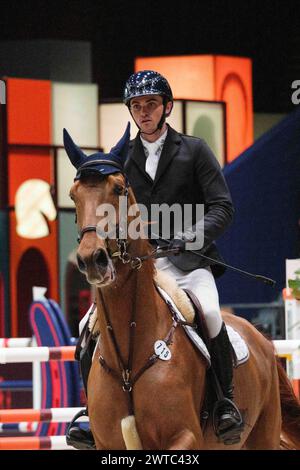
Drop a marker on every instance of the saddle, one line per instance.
(186, 306)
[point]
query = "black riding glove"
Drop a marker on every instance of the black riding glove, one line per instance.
(179, 244)
(182, 240)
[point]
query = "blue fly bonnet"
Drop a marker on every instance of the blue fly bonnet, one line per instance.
(103, 163)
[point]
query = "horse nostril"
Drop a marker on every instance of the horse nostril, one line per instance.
(81, 263)
(101, 258)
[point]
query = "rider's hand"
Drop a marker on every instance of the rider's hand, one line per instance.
(181, 239)
(179, 244)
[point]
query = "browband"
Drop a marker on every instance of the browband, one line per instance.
(105, 162)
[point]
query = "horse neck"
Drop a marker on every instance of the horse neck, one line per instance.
(133, 293)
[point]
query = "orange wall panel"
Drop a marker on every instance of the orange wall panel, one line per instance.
(213, 78)
(191, 77)
(23, 166)
(28, 111)
(234, 86)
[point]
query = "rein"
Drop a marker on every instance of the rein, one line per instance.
(122, 253)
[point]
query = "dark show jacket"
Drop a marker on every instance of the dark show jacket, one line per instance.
(187, 173)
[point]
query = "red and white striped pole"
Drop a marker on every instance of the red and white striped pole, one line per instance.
(34, 443)
(57, 415)
(41, 354)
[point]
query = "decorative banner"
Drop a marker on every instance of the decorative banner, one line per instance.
(207, 120)
(75, 107)
(33, 204)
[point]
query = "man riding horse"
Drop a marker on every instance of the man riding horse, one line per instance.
(164, 165)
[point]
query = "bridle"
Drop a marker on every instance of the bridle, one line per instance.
(124, 375)
(122, 253)
(122, 243)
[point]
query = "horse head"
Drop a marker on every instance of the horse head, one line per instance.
(100, 181)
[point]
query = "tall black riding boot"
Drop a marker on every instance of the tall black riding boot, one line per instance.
(228, 421)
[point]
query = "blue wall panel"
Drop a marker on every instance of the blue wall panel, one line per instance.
(265, 185)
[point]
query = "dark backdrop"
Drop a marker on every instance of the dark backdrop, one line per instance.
(266, 31)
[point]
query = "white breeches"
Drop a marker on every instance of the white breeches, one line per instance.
(202, 283)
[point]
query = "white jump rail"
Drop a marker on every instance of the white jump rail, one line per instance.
(15, 342)
(66, 353)
(286, 346)
(40, 354)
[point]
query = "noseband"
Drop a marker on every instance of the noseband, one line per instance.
(121, 253)
(88, 228)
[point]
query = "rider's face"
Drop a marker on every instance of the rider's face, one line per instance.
(147, 111)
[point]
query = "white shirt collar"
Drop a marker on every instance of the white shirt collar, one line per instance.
(156, 144)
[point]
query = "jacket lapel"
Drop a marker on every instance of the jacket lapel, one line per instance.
(137, 154)
(170, 148)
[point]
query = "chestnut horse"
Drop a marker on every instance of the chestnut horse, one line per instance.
(165, 397)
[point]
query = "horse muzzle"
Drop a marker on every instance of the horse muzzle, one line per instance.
(97, 267)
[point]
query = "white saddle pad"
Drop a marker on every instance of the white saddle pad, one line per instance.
(238, 343)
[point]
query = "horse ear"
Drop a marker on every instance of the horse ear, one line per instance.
(121, 149)
(75, 154)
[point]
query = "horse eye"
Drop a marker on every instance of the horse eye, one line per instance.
(118, 190)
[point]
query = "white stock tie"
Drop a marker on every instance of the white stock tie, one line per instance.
(153, 151)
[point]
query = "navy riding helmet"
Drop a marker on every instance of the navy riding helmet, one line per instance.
(147, 82)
